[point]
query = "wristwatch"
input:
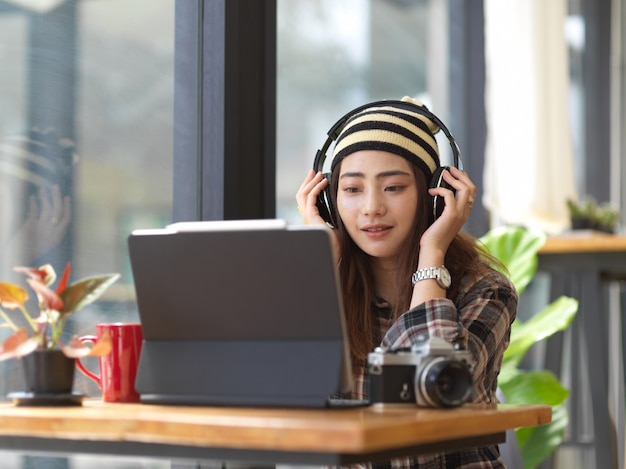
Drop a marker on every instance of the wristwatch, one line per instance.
(441, 274)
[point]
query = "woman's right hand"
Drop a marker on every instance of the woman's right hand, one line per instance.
(310, 189)
(306, 197)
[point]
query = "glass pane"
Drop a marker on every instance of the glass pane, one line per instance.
(334, 56)
(575, 37)
(86, 92)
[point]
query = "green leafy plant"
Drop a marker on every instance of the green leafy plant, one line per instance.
(517, 248)
(588, 214)
(55, 307)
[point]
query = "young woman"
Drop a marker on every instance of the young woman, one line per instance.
(389, 247)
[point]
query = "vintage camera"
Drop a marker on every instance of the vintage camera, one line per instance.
(431, 373)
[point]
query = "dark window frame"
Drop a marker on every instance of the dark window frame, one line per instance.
(225, 110)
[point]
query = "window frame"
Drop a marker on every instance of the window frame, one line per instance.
(225, 110)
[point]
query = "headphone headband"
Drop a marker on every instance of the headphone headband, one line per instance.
(324, 202)
(337, 128)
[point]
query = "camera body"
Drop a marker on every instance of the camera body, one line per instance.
(431, 373)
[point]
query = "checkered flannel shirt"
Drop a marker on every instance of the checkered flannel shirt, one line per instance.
(487, 307)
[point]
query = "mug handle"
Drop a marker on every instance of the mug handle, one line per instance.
(93, 339)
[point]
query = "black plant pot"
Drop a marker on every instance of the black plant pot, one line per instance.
(580, 224)
(48, 372)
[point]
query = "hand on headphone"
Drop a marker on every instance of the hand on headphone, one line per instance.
(310, 189)
(455, 213)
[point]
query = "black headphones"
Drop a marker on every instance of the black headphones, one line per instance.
(324, 201)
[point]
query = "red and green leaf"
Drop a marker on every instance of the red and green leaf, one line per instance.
(77, 349)
(84, 292)
(19, 344)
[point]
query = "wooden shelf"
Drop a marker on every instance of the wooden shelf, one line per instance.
(584, 241)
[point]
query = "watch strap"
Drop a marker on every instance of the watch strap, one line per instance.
(428, 273)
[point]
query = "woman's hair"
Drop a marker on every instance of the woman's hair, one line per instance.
(463, 257)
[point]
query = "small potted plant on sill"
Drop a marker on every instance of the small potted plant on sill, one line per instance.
(607, 217)
(48, 363)
(581, 213)
(589, 215)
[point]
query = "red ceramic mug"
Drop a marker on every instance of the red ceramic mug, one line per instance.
(118, 369)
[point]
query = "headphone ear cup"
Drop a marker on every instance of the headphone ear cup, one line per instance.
(325, 205)
(437, 202)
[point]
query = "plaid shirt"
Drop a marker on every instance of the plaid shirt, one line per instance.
(487, 307)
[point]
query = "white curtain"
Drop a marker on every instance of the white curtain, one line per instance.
(529, 168)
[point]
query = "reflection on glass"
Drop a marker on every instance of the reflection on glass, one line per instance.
(35, 175)
(86, 92)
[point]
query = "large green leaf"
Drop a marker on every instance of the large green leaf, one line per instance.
(555, 317)
(537, 387)
(538, 443)
(532, 387)
(85, 291)
(517, 249)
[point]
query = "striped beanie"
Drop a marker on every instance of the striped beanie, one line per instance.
(392, 128)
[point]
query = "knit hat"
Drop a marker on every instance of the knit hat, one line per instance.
(392, 128)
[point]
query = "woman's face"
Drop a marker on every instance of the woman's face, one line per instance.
(377, 201)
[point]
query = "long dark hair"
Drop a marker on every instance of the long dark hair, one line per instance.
(463, 257)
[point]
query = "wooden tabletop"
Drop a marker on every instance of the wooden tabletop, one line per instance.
(350, 431)
(583, 241)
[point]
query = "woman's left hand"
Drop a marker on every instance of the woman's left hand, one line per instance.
(455, 213)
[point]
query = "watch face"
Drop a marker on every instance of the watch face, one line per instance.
(444, 276)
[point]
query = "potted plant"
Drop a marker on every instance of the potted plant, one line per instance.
(607, 217)
(589, 215)
(48, 363)
(517, 249)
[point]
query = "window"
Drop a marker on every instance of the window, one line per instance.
(86, 92)
(334, 56)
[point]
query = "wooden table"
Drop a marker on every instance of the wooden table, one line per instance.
(262, 435)
(582, 265)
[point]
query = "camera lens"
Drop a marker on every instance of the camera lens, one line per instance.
(444, 383)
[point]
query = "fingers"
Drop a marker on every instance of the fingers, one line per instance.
(303, 190)
(458, 205)
(47, 221)
(53, 208)
(46, 209)
(51, 211)
(66, 216)
(465, 195)
(33, 209)
(306, 197)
